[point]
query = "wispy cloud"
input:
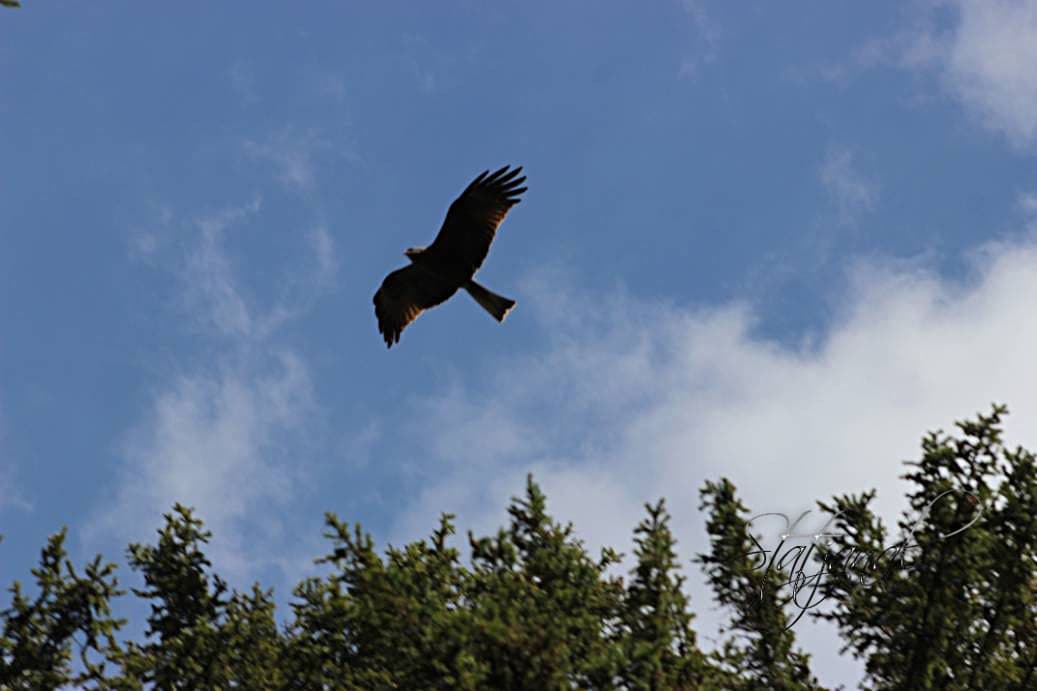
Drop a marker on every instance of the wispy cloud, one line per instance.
(324, 251)
(852, 194)
(990, 63)
(706, 36)
(216, 433)
(210, 293)
(331, 86)
(211, 441)
(301, 289)
(1028, 205)
(145, 241)
(11, 494)
(291, 152)
(424, 64)
(982, 51)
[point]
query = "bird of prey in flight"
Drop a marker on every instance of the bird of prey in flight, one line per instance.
(437, 272)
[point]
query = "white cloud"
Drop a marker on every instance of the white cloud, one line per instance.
(426, 65)
(983, 51)
(991, 65)
(324, 251)
(632, 400)
(210, 441)
(851, 192)
(215, 434)
(210, 292)
(1028, 204)
(11, 493)
(301, 289)
(291, 153)
(707, 35)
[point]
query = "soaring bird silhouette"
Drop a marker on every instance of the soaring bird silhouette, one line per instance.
(437, 272)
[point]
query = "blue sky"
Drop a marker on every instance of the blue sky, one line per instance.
(769, 244)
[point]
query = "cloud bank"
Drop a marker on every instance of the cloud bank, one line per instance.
(630, 400)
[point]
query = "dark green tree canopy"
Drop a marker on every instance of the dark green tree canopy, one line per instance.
(944, 608)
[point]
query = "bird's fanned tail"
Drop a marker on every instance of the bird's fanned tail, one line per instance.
(497, 305)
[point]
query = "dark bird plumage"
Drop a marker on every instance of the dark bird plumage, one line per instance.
(438, 271)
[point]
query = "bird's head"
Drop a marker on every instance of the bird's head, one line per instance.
(412, 252)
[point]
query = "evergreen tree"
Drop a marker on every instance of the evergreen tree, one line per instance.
(659, 645)
(36, 645)
(947, 603)
(200, 635)
(951, 605)
(762, 653)
(540, 603)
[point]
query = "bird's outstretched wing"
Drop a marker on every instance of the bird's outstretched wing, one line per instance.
(472, 221)
(406, 293)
